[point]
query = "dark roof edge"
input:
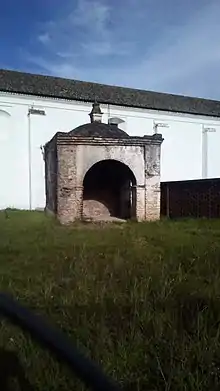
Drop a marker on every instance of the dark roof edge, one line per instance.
(119, 105)
(82, 91)
(64, 138)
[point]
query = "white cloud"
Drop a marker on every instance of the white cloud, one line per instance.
(44, 38)
(92, 14)
(185, 58)
(105, 48)
(62, 69)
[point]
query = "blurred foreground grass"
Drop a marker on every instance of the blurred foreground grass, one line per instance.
(143, 300)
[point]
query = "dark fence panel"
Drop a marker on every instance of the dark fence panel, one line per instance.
(193, 198)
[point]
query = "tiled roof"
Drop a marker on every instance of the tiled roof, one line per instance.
(98, 129)
(48, 86)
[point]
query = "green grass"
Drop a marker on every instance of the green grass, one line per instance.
(143, 300)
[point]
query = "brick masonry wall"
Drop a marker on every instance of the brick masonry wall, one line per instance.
(51, 176)
(140, 203)
(74, 160)
(69, 194)
(93, 209)
(153, 198)
(99, 203)
(152, 181)
(132, 156)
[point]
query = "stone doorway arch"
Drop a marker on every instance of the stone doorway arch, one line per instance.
(109, 191)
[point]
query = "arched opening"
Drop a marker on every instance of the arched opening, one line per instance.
(4, 113)
(4, 125)
(109, 191)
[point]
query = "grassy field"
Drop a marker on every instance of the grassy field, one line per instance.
(143, 300)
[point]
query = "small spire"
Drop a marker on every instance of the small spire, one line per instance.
(96, 114)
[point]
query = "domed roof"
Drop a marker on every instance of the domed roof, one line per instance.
(98, 129)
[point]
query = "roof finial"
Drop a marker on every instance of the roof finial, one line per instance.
(96, 114)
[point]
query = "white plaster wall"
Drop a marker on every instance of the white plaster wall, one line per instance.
(13, 158)
(181, 154)
(14, 152)
(181, 151)
(214, 154)
(43, 129)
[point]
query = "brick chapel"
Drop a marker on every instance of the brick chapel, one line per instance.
(99, 172)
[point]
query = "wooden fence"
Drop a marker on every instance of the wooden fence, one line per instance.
(192, 198)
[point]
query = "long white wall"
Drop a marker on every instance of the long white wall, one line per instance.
(21, 138)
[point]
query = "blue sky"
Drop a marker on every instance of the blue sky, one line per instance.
(169, 46)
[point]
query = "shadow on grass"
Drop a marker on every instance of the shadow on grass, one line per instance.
(11, 372)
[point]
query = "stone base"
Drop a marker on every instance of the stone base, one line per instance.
(104, 219)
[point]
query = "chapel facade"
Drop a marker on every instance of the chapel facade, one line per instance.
(98, 172)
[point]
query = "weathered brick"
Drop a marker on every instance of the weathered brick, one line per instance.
(75, 156)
